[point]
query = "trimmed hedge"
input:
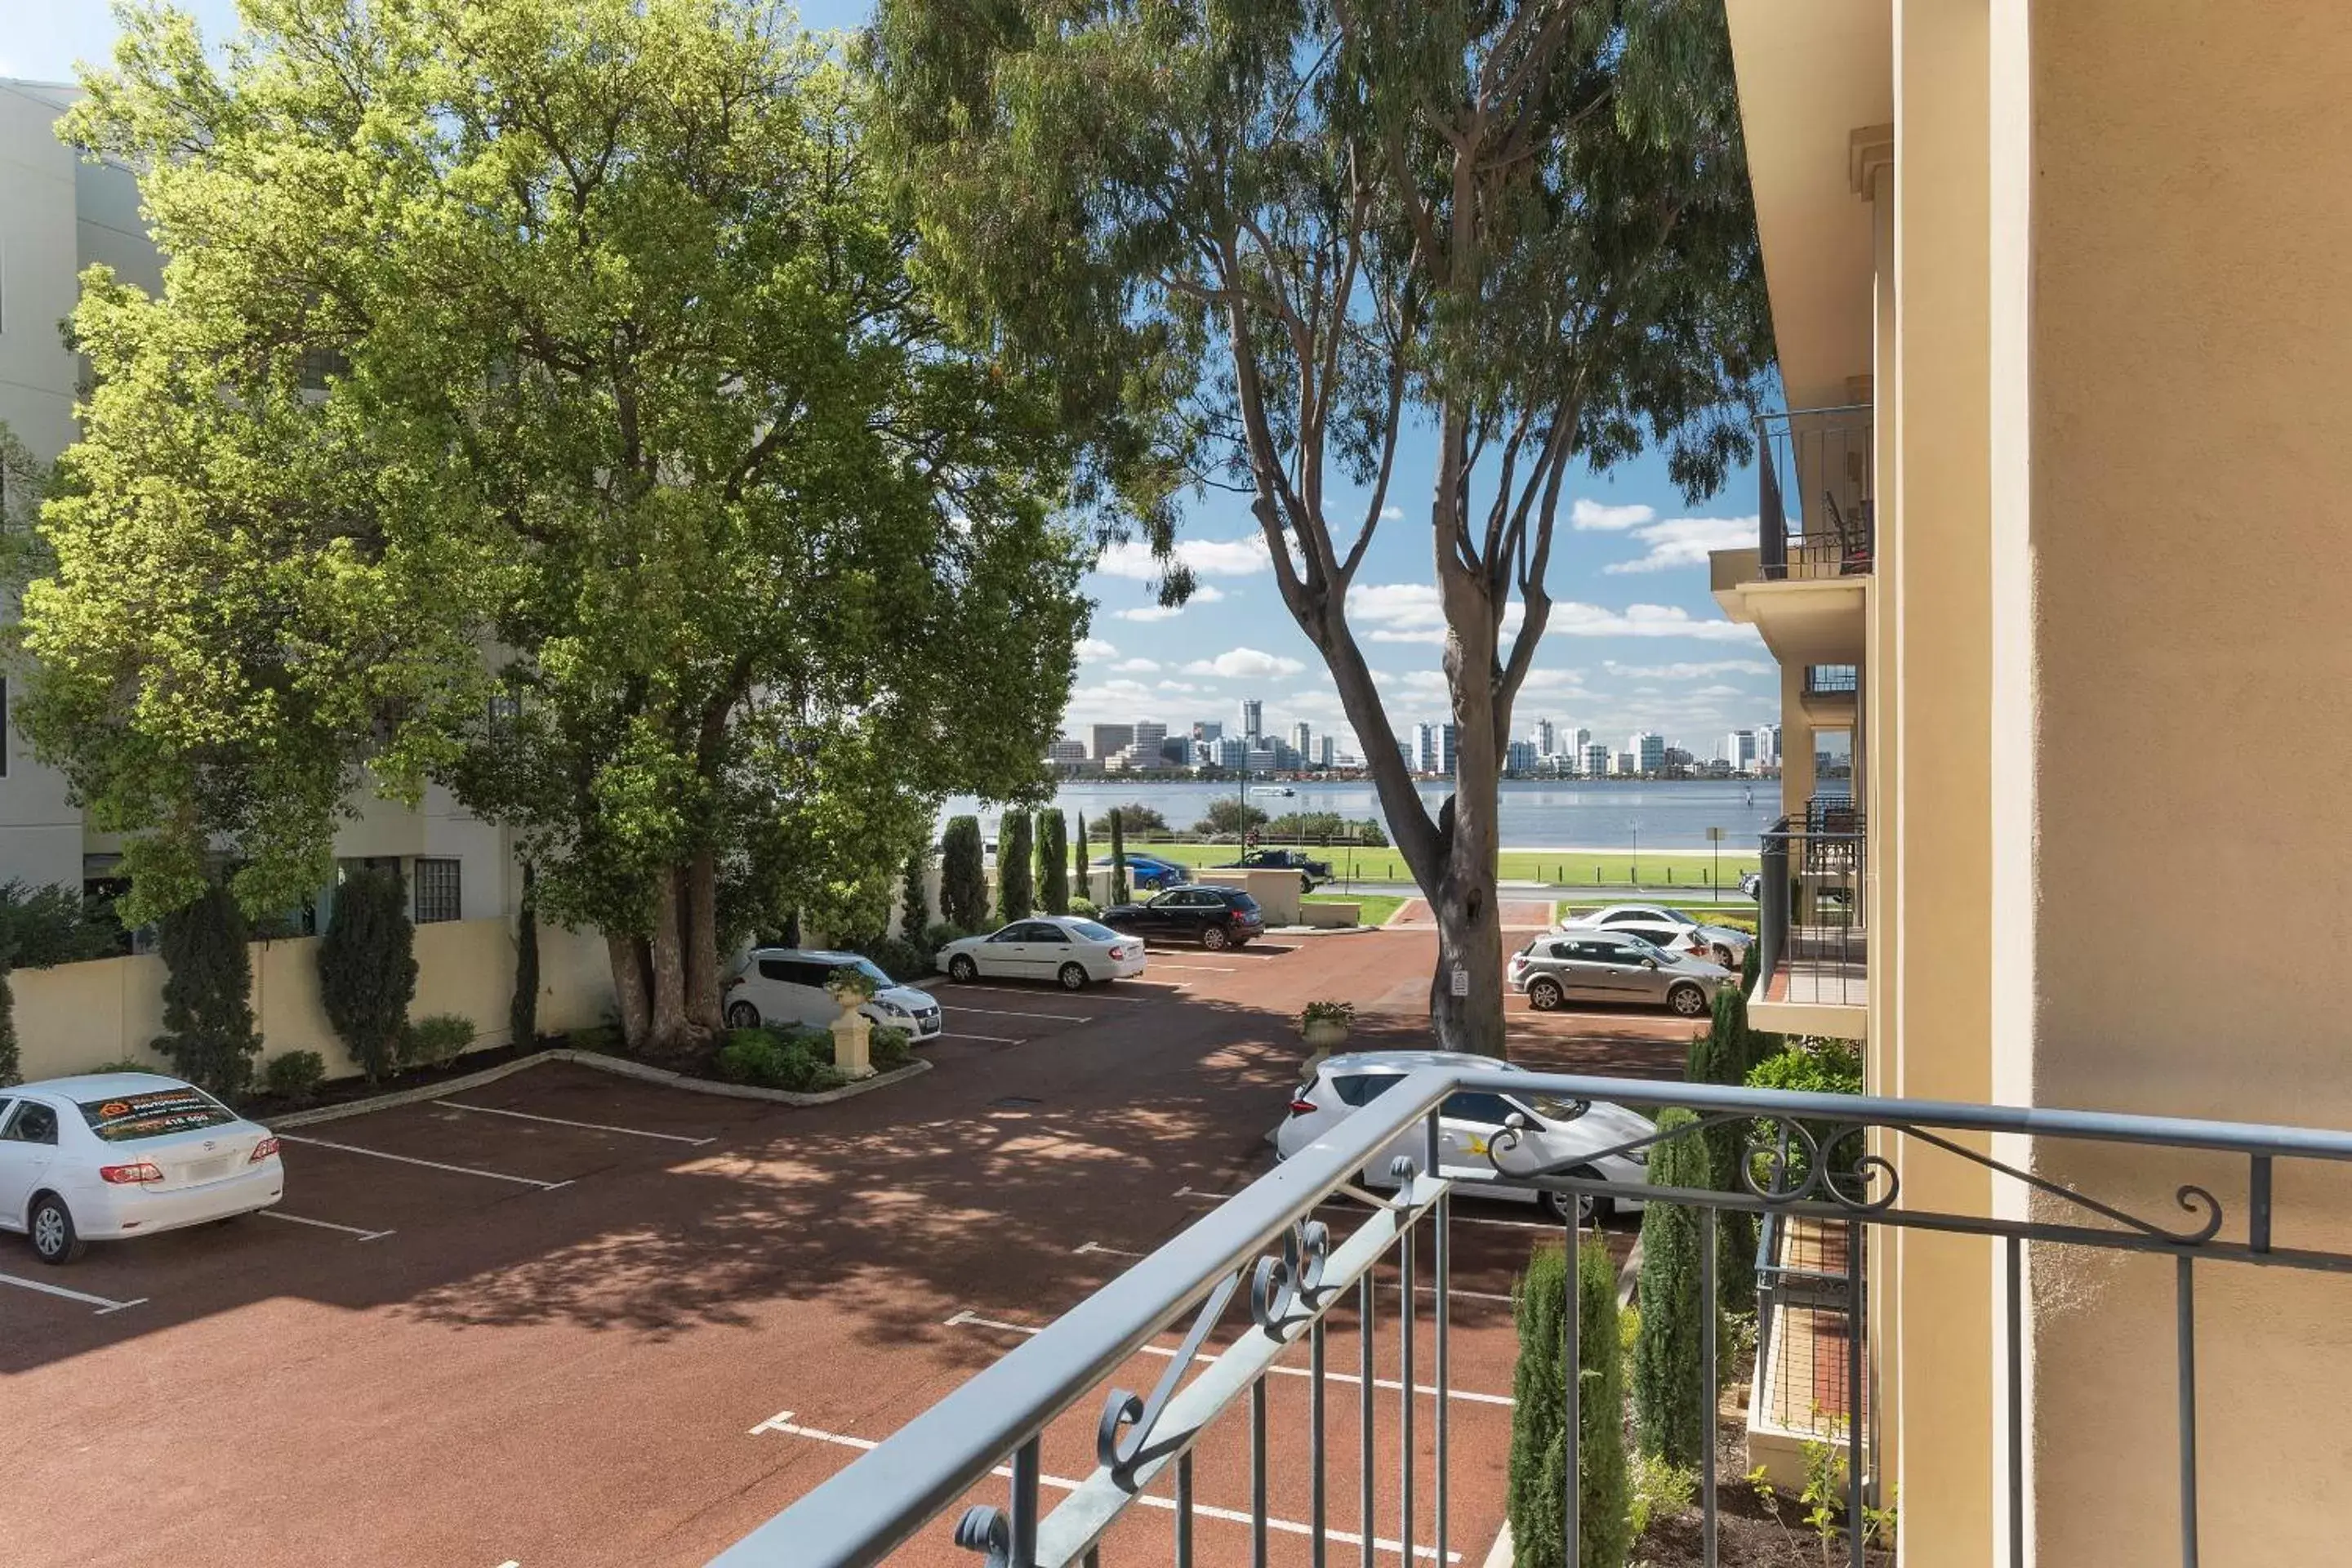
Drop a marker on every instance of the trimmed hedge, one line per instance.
(1669, 1411)
(1539, 1464)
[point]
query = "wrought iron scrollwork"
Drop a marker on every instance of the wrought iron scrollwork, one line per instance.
(1127, 1419)
(1788, 1162)
(1279, 1282)
(988, 1531)
(2192, 1198)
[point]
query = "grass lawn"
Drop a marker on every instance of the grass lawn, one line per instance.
(1373, 908)
(1692, 869)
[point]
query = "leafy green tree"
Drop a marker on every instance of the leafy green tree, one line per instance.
(914, 894)
(40, 927)
(522, 1012)
(1229, 814)
(209, 1035)
(1054, 862)
(963, 876)
(1271, 243)
(1119, 890)
(1721, 1055)
(1082, 861)
(367, 967)
(1669, 1409)
(1014, 897)
(1141, 819)
(1539, 1465)
(626, 376)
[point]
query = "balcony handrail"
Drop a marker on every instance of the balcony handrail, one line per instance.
(1810, 544)
(879, 1501)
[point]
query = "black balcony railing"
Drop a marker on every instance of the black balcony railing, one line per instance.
(1815, 513)
(1832, 680)
(1810, 918)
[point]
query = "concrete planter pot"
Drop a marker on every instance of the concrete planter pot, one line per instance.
(1324, 1035)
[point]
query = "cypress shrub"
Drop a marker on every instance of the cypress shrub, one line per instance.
(367, 968)
(1538, 1466)
(12, 1062)
(1721, 1055)
(1054, 862)
(1081, 863)
(1014, 898)
(1751, 965)
(1118, 893)
(1669, 1411)
(914, 899)
(964, 883)
(210, 1036)
(522, 1012)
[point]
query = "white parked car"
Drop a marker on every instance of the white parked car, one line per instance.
(1469, 1123)
(119, 1154)
(786, 985)
(1676, 931)
(1063, 948)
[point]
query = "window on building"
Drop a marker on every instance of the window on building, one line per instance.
(436, 890)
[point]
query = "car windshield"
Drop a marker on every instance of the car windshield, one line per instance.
(871, 970)
(152, 1113)
(1646, 950)
(1094, 932)
(1552, 1109)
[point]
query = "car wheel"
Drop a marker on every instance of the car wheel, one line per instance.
(961, 967)
(1592, 1209)
(742, 1016)
(1687, 1000)
(1545, 995)
(1073, 976)
(1726, 957)
(1214, 937)
(55, 1240)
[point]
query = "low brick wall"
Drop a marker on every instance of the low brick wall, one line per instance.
(1330, 916)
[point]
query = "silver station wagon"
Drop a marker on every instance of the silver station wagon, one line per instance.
(1614, 966)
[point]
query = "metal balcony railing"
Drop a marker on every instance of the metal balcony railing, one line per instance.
(1832, 680)
(1815, 516)
(1283, 1247)
(1811, 921)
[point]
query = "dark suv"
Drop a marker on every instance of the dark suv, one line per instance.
(1213, 917)
(1310, 872)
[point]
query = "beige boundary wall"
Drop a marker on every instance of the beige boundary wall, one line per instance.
(72, 1018)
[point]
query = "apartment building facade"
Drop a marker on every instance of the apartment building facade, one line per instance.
(2059, 298)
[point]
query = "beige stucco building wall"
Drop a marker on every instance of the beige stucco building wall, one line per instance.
(2100, 277)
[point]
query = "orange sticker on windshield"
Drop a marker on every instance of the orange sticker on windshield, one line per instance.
(114, 1108)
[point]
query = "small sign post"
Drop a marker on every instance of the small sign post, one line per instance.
(1459, 982)
(1714, 839)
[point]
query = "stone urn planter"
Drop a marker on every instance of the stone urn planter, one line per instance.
(1324, 1026)
(851, 989)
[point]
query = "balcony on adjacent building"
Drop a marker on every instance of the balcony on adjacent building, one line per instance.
(1803, 586)
(1812, 923)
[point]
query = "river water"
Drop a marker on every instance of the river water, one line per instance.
(1535, 814)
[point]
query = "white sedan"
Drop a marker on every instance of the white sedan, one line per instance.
(125, 1153)
(1076, 953)
(1676, 931)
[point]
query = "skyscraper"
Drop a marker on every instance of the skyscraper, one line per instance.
(1546, 738)
(1109, 740)
(1208, 729)
(1253, 719)
(1596, 758)
(1148, 734)
(1739, 751)
(1649, 752)
(1519, 757)
(1324, 750)
(1423, 757)
(1302, 739)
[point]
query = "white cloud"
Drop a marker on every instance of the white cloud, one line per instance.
(1094, 647)
(1244, 663)
(1718, 691)
(1136, 666)
(1686, 541)
(1207, 557)
(1590, 516)
(1705, 670)
(1411, 613)
(1391, 513)
(1569, 618)
(1206, 593)
(1175, 686)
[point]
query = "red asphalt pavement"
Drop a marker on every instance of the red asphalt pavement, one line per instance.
(469, 1339)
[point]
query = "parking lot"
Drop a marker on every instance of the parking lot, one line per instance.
(572, 1318)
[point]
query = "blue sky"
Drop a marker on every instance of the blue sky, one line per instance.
(1635, 643)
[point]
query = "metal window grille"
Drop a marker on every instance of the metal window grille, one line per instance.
(436, 890)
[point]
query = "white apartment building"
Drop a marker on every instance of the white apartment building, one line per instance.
(1593, 757)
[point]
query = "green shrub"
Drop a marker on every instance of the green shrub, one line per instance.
(1054, 862)
(785, 1059)
(1751, 966)
(1660, 1492)
(604, 1040)
(125, 1064)
(1140, 818)
(901, 960)
(1720, 1056)
(1081, 864)
(888, 1047)
(1227, 814)
(367, 967)
(522, 1012)
(939, 936)
(963, 880)
(1668, 1406)
(1809, 1067)
(914, 899)
(297, 1075)
(1538, 1463)
(41, 927)
(1084, 908)
(435, 1038)
(209, 1034)
(1015, 899)
(1119, 891)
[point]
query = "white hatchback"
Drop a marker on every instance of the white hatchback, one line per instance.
(1468, 1123)
(119, 1154)
(1065, 948)
(786, 985)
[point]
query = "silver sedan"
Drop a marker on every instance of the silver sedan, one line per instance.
(1614, 966)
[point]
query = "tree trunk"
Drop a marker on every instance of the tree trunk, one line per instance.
(1469, 925)
(628, 955)
(703, 1000)
(666, 1028)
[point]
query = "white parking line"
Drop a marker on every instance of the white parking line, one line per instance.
(992, 1039)
(1085, 1246)
(781, 1422)
(429, 1165)
(1009, 1013)
(322, 1224)
(974, 1319)
(1092, 995)
(1203, 968)
(561, 1121)
(102, 1304)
